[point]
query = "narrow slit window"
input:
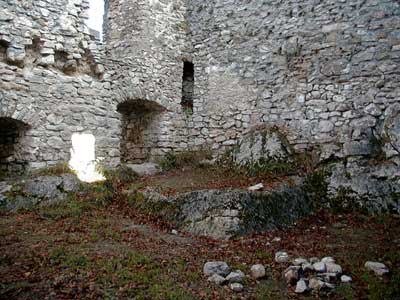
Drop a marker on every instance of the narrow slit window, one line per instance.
(188, 86)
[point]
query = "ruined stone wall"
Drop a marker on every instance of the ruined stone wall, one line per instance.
(146, 46)
(326, 71)
(52, 81)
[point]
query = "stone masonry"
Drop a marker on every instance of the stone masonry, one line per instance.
(325, 72)
(51, 82)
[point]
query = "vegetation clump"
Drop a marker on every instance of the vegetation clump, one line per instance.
(176, 160)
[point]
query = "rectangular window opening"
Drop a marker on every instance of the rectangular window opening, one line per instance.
(188, 87)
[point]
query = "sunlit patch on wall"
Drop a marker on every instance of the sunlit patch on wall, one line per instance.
(83, 157)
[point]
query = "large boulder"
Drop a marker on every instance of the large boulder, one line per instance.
(360, 184)
(262, 145)
(223, 214)
(42, 190)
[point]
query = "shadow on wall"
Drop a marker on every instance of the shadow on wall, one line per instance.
(11, 159)
(140, 129)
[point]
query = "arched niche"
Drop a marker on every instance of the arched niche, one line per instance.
(12, 160)
(140, 129)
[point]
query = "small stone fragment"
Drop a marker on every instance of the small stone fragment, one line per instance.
(333, 268)
(216, 267)
(236, 287)
(379, 268)
(319, 267)
(301, 287)
(291, 274)
(328, 259)
(256, 187)
(47, 60)
(217, 279)
(299, 261)
(307, 267)
(314, 260)
(235, 277)
(281, 257)
(258, 271)
(345, 279)
(316, 284)
(329, 277)
(329, 285)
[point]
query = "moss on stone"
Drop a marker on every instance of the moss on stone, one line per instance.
(265, 211)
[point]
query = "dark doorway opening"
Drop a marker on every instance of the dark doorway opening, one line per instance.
(11, 133)
(188, 87)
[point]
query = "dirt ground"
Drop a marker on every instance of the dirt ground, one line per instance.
(108, 253)
(95, 249)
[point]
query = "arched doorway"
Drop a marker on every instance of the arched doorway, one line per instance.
(140, 129)
(11, 155)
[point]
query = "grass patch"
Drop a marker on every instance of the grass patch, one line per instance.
(176, 160)
(271, 289)
(137, 276)
(382, 289)
(130, 275)
(165, 209)
(73, 207)
(68, 259)
(56, 170)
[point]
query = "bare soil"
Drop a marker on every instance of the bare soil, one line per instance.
(106, 253)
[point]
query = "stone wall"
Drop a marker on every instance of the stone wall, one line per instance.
(325, 72)
(11, 132)
(146, 44)
(51, 79)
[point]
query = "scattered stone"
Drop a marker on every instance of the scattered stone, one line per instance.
(329, 277)
(276, 239)
(299, 261)
(316, 284)
(236, 287)
(281, 257)
(333, 268)
(256, 187)
(314, 260)
(301, 287)
(379, 268)
(258, 271)
(235, 277)
(346, 279)
(291, 274)
(216, 267)
(329, 285)
(328, 259)
(307, 267)
(319, 267)
(217, 279)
